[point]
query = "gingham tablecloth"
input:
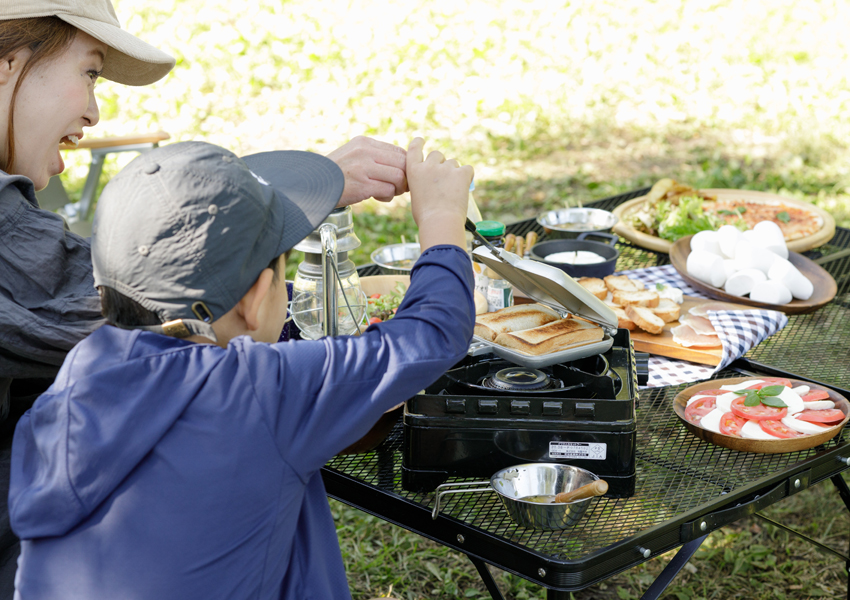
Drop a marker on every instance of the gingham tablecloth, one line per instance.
(738, 330)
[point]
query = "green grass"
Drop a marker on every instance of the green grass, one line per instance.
(552, 104)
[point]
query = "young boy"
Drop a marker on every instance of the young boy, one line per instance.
(177, 454)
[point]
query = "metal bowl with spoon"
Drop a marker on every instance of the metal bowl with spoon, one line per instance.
(548, 496)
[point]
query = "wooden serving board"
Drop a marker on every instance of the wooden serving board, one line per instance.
(663, 344)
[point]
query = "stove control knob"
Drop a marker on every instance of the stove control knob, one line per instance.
(642, 367)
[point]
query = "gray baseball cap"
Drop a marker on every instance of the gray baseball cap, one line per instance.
(186, 229)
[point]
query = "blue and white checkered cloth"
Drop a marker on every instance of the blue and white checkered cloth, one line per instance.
(738, 330)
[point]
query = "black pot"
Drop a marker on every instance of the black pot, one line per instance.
(605, 250)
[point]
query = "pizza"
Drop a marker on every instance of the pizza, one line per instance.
(653, 217)
(795, 221)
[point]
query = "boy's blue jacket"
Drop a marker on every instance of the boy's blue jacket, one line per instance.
(156, 468)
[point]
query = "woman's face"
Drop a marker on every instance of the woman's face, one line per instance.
(54, 103)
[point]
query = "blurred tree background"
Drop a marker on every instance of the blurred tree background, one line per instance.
(553, 103)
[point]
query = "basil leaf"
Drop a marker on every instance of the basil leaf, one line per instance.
(771, 390)
(752, 400)
(784, 216)
(774, 401)
(725, 212)
(659, 286)
(741, 210)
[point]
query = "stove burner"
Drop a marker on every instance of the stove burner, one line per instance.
(519, 379)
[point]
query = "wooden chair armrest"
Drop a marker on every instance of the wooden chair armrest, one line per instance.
(121, 140)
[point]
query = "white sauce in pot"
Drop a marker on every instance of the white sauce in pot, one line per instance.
(578, 257)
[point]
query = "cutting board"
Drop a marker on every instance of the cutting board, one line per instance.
(663, 344)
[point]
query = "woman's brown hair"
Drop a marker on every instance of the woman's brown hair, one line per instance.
(46, 37)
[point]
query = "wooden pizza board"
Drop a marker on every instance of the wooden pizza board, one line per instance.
(663, 344)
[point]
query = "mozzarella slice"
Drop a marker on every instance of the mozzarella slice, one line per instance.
(711, 421)
(724, 402)
(794, 402)
(753, 431)
(801, 390)
(802, 426)
(733, 387)
(818, 405)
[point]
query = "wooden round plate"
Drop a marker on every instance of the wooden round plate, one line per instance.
(824, 284)
(762, 446)
(820, 237)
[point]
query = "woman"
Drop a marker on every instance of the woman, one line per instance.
(51, 54)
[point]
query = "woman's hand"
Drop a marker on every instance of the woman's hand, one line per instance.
(439, 194)
(372, 169)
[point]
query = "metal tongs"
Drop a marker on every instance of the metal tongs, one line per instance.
(471, 228)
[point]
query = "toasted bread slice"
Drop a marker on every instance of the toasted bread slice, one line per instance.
(623, 321)
(668, 310)
(595, 286)
(513, 318)
(620, 283)
(645, 319)
(646, 298)
(551, 337)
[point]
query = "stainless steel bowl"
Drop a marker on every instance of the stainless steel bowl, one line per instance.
(569, 222)
(528, 480)
(396, 259)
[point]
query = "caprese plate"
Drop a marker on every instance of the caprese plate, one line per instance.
(722, 413)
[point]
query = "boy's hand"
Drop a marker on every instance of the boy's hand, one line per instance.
(372, 169)
(439, 195)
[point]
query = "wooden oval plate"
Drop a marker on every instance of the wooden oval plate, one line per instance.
(824, 284)
(820, 237)
(762, 446)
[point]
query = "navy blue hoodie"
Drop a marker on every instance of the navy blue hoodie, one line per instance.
(159, 468)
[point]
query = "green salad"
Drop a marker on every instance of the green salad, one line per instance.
(671, 220)
(382, 307)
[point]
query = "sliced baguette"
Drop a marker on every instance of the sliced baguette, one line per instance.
(668, 310)
(595, 286)
(645, 319)
(551, 337)
(623, 320)
(621, 283)
(513, 318)
(646, 298)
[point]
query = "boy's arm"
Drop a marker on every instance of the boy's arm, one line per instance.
(322, 396)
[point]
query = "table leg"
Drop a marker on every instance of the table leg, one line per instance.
(844, 492)
(672, 569)
(487, 578)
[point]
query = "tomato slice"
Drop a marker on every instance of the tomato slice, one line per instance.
(374, 320)
(759, 412)
(771, 381)
(778, 429)
(816, 395)
(730, 424)
(829, 415)
(697, 410)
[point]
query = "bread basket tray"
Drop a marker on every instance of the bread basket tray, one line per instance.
(552, 287)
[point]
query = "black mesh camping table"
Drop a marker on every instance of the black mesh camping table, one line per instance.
(685, 487)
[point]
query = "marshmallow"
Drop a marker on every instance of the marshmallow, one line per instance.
(730, 267)
(750, 256)
(741, 283)
(706, 267)
(706, 241)
(783, 271)
(769, 236)
(771, 292)
(727, 238)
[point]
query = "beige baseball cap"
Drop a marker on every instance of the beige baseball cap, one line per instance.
(129, 61)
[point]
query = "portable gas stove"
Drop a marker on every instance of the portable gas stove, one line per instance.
(487, 413)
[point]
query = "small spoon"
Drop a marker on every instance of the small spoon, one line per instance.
(594, 488)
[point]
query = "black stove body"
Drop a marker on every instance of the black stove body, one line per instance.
(486, 414)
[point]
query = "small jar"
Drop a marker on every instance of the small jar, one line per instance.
(493, 232)
(500, 293)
